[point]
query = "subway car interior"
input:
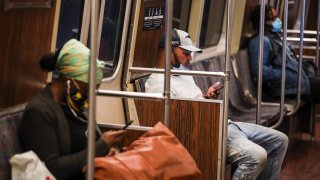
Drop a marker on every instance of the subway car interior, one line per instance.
(125, 35)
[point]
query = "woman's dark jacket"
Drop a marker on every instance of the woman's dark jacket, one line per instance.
(45, 130)
(272, 59)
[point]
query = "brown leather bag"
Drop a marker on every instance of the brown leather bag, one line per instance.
(157, 154)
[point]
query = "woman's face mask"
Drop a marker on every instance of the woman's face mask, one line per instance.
(77, 100)
(276, 25)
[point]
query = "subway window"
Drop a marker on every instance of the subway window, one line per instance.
(111, 34)
(181, 12)
(69, 21)
(211, 25)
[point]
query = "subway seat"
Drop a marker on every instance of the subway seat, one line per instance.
(10, 119)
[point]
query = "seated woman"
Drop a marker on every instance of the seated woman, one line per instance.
(54, 124)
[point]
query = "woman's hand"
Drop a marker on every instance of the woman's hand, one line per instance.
(113, 151)
(113, 137)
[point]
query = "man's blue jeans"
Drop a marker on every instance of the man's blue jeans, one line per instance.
(255, 150)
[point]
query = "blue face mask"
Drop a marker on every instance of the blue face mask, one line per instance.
(276, 25)
(182, 67)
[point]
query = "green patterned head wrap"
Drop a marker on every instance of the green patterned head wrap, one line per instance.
(74, 59)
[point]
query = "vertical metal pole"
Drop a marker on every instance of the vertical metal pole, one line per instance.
(303, 9)
(85, 22)
(92, 95)
(302, 15)
(261, 35)
(283, 65)
(122, 53)
(100, 23)
(318, 35)
(226, 88)
(168, 62)
(278, 5)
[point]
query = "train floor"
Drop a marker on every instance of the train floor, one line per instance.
(303, 161)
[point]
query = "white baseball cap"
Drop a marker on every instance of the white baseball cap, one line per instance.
(180, 39)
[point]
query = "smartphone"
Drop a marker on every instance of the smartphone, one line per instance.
(220, 86)
(217, 86)
(127, 125)
(214, 94)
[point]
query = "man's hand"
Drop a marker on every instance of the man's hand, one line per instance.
(113, 137)
(214, 91)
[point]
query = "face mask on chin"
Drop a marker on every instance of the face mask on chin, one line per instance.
(276, 25)
(175, 64)
(77, 102)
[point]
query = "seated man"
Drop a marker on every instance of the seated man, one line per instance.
(272, 60)
(254, 149)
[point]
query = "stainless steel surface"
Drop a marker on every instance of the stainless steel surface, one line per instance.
(100, 23)
(302, 19)
(307, 40)
(296, 31)
(92, 95)
(226, 91)
(131, 127)
(169, 9)
(261, 36)
(125, 30)
(177, 72)
(283, 65)
(127, 94)
(318, 35)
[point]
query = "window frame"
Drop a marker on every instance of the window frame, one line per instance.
(216, 42)
(124, 32)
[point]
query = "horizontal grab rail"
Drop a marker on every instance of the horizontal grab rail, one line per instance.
(126, 94)
(295, 31)
(177, 72)
(131, 127)
(295, 39)
(305, 47)
(305, 57)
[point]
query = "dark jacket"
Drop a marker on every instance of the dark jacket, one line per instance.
(45, 130)
(272, 59)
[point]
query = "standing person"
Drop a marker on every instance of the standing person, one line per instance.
(254, 149)
(54, 123)
(272, 60)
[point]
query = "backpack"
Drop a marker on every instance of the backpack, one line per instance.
(310, 68)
